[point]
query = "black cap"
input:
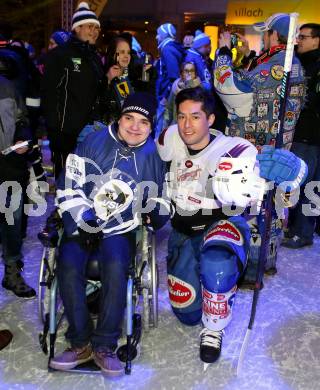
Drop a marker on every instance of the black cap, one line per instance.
(141, 102)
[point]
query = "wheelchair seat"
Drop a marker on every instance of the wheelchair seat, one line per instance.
(92, 271)
(142, 283)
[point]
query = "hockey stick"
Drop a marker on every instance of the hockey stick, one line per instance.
(265, 239)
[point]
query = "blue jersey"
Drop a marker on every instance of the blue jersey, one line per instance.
(252, 97)
(110, 182)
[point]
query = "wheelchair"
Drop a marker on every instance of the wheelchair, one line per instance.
(141, 301)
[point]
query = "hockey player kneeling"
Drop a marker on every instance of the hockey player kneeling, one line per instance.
(207, 249)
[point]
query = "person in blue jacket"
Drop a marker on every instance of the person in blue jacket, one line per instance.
(201, 48)
(111, 178)
(171, 57)
(252, 99)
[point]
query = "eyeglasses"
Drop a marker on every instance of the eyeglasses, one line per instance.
(301, 37)
(189, 71)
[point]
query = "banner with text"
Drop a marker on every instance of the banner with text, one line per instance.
(249, 12)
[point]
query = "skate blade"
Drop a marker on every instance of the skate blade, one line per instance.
(205, 366)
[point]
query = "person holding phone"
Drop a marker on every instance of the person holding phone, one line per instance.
(118, 82)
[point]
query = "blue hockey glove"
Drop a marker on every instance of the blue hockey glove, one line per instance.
(280, 165)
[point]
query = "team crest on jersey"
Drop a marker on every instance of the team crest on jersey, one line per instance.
(287, 137)
(113, 197)
(261, 139)
(264, 73)
(249, 127)
(262, 110)
(275, 109)
(277, 72)
(263, 126)
(289, 120)
(76, 64)
(181, 293)
(274, 128)
(123, 89)
(224, 231)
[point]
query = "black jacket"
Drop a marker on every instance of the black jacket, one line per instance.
(72, 85)
(308, 126)
(13, 128)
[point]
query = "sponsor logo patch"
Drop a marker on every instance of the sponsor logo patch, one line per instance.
(194, 200)
(264, 73)
(277, 72)
(225, 166)
(181, 293)
(224, 231)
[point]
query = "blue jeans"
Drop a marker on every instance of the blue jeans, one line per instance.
(11, 235)
(300, 224)
(114, 257)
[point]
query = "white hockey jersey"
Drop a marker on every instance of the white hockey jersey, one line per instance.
(189, 177)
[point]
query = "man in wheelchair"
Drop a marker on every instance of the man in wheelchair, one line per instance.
(100, 198)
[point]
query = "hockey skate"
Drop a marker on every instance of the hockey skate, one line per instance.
(210, 345)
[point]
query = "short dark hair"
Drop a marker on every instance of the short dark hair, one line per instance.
(281, 38)
(197, 94)
(315, 29)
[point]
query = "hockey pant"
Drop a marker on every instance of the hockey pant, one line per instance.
(203, 271)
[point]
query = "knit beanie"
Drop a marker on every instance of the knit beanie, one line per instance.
(84, 15)
(167, 30)
(200, 39)
(60, 37)
(141, 102)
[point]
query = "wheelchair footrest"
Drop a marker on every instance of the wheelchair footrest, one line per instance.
(122, 351)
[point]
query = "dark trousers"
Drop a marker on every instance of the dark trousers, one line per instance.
(10, 229)
(300, 224)
(114, 257)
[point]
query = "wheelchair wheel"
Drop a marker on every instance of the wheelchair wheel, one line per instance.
(46, 275)
(150, 290)
(154, 282)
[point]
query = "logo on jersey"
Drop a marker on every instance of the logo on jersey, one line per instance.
(224, 231)
(112, 198)
(75, 169)
(185, 175)
(188, 164)
(277, 72)
(264, 73)
(225, 166)
(181, 293)
(76, 64)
